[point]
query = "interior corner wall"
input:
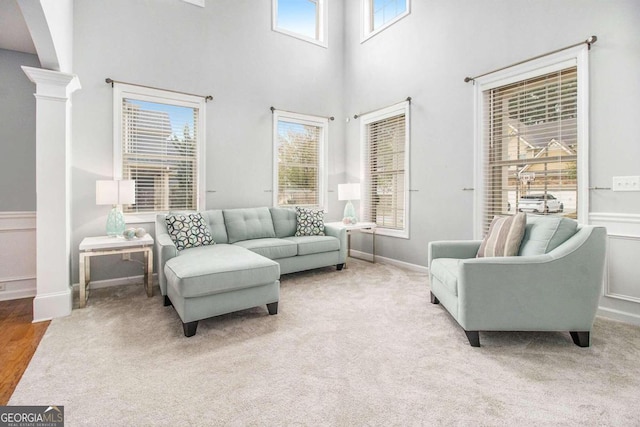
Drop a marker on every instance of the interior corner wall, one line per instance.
(17, 133)
(227, 50)
(427, 54)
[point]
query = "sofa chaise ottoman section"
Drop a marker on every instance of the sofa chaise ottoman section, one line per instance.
(212, 280)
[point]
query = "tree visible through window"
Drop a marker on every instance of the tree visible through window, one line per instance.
(158, 146)
(386, 169)
(299, 143)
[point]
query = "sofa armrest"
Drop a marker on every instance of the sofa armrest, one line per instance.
(459, 249)
(165, 250)
(341, 235)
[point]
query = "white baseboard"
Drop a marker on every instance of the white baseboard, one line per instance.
(50, 306)
(18, 288)
(384, 260)
(611, 313)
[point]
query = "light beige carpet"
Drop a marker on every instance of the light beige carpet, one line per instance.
(362, 346)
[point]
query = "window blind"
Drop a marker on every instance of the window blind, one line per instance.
(384, 180)
(530, 146)
(160, 152)
(298, 154)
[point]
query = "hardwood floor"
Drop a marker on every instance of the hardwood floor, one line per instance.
(19, 339)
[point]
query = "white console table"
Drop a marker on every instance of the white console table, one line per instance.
(358, 226)
(105, 245)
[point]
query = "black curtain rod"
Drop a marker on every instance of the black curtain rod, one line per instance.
(111, 82)
(274, 109)
(591, 40)
(355, 116)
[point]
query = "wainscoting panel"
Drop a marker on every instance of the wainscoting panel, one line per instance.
(621, 290)
(17, 255)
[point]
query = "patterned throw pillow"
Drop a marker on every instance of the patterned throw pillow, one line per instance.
(310, 222)
(504, 236)
(188, 230)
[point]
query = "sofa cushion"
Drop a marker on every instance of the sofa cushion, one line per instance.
(446, 271)
(543, 234)
(220, 268)
(188, 230)
(308, 245)
(310, 222)
(245, 224)
(271, 248)
(284, 221)
(504, 236)
(215, 220)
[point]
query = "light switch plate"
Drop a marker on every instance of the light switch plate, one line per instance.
(626, 183)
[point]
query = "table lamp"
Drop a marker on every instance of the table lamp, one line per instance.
(349, 192)
(115, 193)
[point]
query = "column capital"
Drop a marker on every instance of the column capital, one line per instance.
(53, 84)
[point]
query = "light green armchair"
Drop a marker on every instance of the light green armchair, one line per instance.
(554, 284)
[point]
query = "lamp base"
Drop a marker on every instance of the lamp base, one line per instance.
(349, 216)
(115, 223)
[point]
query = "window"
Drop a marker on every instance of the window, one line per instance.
(299, 145)
(532, 153)
(385, 175)
(304, 19)
(159, 144)
(380, 14)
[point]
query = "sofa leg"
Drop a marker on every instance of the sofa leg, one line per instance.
(190, 328)
(581, 339)
(273, 308)
(473, 337)
(167, 301)
(340, 266)
(434, 299)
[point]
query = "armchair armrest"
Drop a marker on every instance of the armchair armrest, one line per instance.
(459, 249)
(555, 291)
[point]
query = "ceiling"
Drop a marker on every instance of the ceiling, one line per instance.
(14, 34)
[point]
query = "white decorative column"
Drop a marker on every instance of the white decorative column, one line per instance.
(53, 222)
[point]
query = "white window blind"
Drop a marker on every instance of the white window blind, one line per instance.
(159, 150)
(385, 179)
(299, 146)
(530, 146)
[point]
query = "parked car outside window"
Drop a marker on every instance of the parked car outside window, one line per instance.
(540, 203)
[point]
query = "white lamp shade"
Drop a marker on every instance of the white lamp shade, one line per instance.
(127, 192)
(348, 191)
(115, 192)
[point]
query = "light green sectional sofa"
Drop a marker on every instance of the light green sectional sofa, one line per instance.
(253, 247)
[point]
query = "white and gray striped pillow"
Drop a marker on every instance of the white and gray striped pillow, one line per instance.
(504, 236)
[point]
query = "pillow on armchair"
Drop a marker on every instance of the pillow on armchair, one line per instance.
(504, 236)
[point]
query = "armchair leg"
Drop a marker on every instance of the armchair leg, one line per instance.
(340, 266)
(473, 337)
(434, 299)
(581, 339)
(167, 301)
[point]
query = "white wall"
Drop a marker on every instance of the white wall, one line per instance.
(17, 133)
(427, 55)
(227, 50)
